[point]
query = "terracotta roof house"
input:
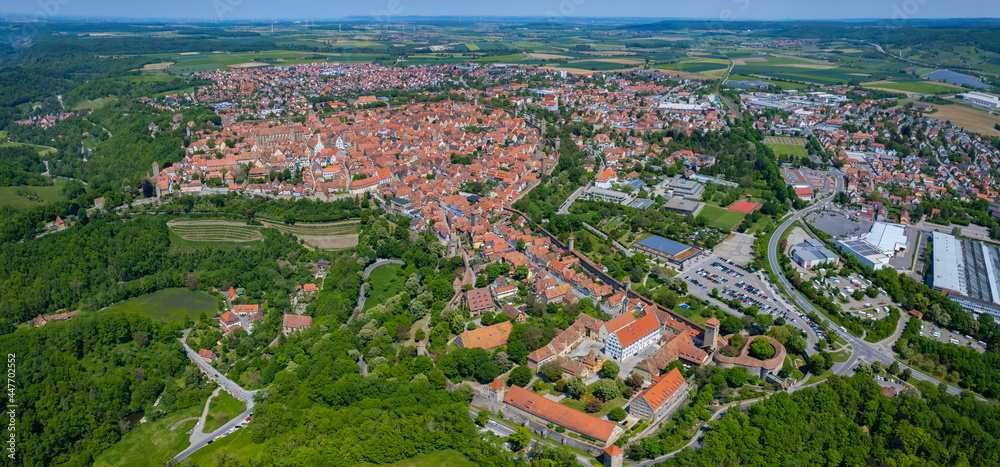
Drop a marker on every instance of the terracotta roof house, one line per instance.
(229, 321)
(680, 346)
(208, 355)
(632, 338)
(309, 288)
(294, 323)
(514, 314)
(231, 293)
(662, 397)
(527, 403)
(43, 320)
(480, 300)
(614, 324)
(585, 325)
(245, 309)
(486, 337)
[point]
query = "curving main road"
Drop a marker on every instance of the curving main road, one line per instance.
(863, 351)
(200, 440)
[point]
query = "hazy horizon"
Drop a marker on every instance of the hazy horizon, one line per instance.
(316, 10)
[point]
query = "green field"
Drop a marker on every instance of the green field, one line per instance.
(448, 457)
(785, 140)
(597, 66)
(47, 194)
(42, 150)
(382, 284)
(721, 218)
(787, 149)
(225, 404)
(236, 445)
(920, 87)
(693, 67)
(170, 304)
(152, 443)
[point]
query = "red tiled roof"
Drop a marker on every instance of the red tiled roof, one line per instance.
(246, 308)
(637, 329)
(487, 337)
(560, 414)
(661, 391)
(297, 321)
(479, 299)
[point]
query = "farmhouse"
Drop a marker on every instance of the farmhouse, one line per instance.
(229, 321)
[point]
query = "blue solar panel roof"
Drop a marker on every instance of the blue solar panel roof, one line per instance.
(665, 245)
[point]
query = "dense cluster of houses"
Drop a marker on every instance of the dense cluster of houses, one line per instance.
(940, 159)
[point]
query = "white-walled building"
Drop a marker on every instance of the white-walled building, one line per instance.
(632, 338)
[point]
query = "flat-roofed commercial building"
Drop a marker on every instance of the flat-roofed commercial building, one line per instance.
(889, 238)
(983, 99)
(968, 272)
(605, 194)
(683, 206)
(684, 188)
(812, 252)
(869, 255)
(665, 249)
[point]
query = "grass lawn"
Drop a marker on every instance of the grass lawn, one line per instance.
(42, 150)
(841, 356)
(170, 304)
(382, 284)
(691, 312)
(721, 218)
(449, 457)
(237, 444)
(580, 404)
(820, 377)
(152, 443)
(46, 194)
(179, 245)
(226, 404)
(787, 149)
(798, 368)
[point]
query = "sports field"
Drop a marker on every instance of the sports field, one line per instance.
(721, 218)
(787, 149)
(170, 304)
(785, 140)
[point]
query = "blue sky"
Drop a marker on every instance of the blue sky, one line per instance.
(705, 9)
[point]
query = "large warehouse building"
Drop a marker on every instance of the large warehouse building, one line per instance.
(968, 272)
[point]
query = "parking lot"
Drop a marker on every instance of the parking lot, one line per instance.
(750, 287)
(932, 331)
(837, 224)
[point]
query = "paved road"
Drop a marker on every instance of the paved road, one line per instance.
(504, 431)
(863, 351)
(223, 382)
(361, 294)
